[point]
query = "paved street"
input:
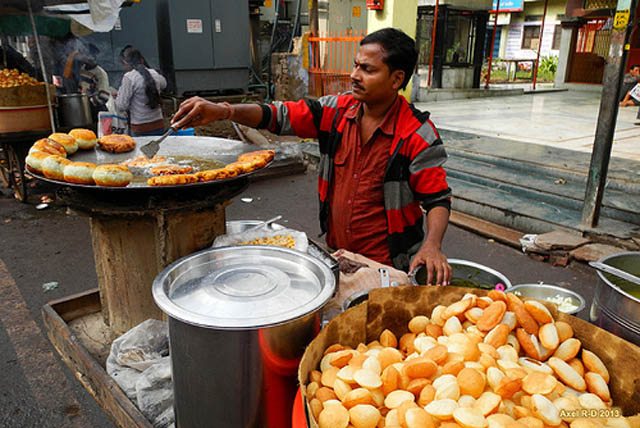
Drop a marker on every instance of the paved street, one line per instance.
(38, 390)
(560, 119)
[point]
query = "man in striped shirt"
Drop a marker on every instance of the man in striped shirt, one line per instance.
(381, 160)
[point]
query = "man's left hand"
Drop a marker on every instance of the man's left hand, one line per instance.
(438, 269)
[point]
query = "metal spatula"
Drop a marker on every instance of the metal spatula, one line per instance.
(150, 149)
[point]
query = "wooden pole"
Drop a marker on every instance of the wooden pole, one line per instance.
(43, 69)
(314, 28)
(493, 41)
(313, 17)
(535, 69)
(606, 124)
(433, 42)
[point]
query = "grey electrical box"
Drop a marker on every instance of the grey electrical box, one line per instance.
(198, 45)
(206, 47)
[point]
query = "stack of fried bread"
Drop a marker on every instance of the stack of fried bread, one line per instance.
(171, 175)
(481, 362)
(48, 157)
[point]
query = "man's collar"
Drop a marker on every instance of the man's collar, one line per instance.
(388, 124)
(353, 110)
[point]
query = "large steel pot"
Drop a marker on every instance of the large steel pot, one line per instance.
(616, 304)
(74, 110)
(239, 321)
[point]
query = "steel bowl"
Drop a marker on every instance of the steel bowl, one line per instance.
(546, 291)
(466, 274)
(315, 249)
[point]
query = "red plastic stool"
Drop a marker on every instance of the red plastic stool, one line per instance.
(298, 417)
(279, 387)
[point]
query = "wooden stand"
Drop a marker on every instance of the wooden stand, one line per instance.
(130, 252)
(135, 236)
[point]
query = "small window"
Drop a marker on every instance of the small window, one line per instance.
(557, 36)
(530, 37)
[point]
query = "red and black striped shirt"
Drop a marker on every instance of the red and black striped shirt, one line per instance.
(414, 179)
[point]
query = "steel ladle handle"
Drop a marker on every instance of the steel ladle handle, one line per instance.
(265, 223)
(602, 267)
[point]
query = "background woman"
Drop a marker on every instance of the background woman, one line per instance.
(139, 94)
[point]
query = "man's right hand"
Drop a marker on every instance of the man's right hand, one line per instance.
(197, 111)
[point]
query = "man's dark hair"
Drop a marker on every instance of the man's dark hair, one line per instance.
(634, 66)
(399, 50)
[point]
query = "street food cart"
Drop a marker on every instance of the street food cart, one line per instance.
(24, 118)
(240, 318)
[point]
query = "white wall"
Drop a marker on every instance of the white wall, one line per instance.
(513, 48)
(565, 53)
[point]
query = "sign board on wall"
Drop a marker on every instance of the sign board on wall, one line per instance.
(194, 26)
(504, 19)
(509, 5)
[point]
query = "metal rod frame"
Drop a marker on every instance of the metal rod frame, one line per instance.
(433, 42)
(493, 41)
(42, 67)
(535, 69)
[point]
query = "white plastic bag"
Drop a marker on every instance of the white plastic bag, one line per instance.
(112, 123)
(154, 393)
(141, 346)
(635, 92)
(300, 241)
(528, 243)
(135, 351)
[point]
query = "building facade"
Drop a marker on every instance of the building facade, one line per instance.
(520, 25)
(458, 49)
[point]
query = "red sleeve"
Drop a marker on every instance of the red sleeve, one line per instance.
(292, 118)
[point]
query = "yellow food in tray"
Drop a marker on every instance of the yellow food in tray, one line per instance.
(286, 241)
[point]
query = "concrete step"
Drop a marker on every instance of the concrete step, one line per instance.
(540, 90)
(534, 166)
(527, 211)
(438, 94)
(624, 174)
(522, 195)
(545, 184)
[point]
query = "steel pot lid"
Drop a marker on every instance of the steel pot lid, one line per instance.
(243, 287)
